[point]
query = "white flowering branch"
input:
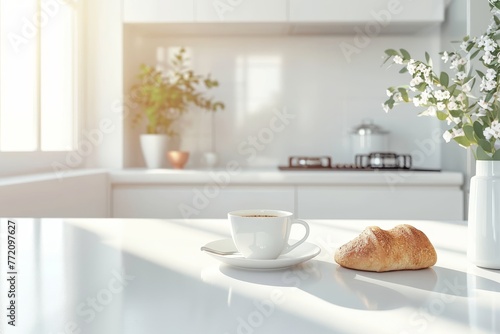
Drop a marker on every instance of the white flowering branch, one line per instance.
(474, 120)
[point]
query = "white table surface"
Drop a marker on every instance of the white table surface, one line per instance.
(149, 276)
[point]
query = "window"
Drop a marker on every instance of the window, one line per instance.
(38, 72)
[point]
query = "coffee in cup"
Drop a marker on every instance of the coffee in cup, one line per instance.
(264, 234)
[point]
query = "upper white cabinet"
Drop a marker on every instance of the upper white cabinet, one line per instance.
(384, 12)
(284, 16)
(158, 11)
(241, 11)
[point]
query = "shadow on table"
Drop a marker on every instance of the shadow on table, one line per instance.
(443, 280)
(327, 281)
(462, 297)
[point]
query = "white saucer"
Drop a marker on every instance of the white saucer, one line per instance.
(303, 252)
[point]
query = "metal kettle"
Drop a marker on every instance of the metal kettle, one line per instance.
(369, 138)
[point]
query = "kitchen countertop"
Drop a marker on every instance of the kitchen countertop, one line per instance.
(133, 276)
(277, 177)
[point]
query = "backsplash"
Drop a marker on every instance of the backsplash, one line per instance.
(289, 95)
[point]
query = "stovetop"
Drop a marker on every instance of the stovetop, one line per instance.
(363, 162)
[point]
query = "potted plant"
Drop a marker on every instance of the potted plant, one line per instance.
(163, 99)
(473, 117)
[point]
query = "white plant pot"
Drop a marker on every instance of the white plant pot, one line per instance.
(484, 215)
(154, 149)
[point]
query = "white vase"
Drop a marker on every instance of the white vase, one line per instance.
(484, 215)
(209, 159)
(154, 149)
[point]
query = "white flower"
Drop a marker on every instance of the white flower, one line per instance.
(464, 46)
(411, 67)
(440, 106)
(492, 27)
(487, 85)
(481, 41)
(461, 75)
(385, 107)
(491, 74)
(454, 64)
(431, 111)
(445, 57)
(398, 60)
(481, 112)
(492, 131)
(487, 58)
(452, 105)
(416, 81)
(389, 93)
(417, 101)
(441, 95)
(449, 135)
(483, 104)
(452, 119)
(398, 97)
(424, 97)
(466, 88)
(490, 45)
(421, 67)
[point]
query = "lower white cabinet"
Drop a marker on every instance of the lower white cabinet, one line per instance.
(310, 195)
(335, 202)
(197, 201)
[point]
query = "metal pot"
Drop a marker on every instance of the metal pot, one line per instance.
(369, 138)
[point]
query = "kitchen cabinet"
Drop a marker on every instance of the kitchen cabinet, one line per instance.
(197, 200)
(158, 11)
(383, 12)
(241, 11)
(311, 195)
(282, 17)
(380, 202)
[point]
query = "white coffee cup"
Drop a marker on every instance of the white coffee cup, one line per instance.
(263, 234)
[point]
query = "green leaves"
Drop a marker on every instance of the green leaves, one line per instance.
(429, 89)
(391, 52)
(481, 154)
(485, 145)
(469, 133)
(427, 57)
(164, 98)
(441, 115)
(444, 79)
(478, 130)
(405, 54)
(462, 141)
(404, 94)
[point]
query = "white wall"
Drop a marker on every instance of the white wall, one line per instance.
(308, 76)
(454, 158)
(103, 96)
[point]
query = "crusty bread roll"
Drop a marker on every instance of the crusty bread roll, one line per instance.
(401, 248)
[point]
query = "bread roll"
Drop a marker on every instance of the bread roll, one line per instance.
(401, 248)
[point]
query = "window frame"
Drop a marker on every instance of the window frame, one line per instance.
(25, 162)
